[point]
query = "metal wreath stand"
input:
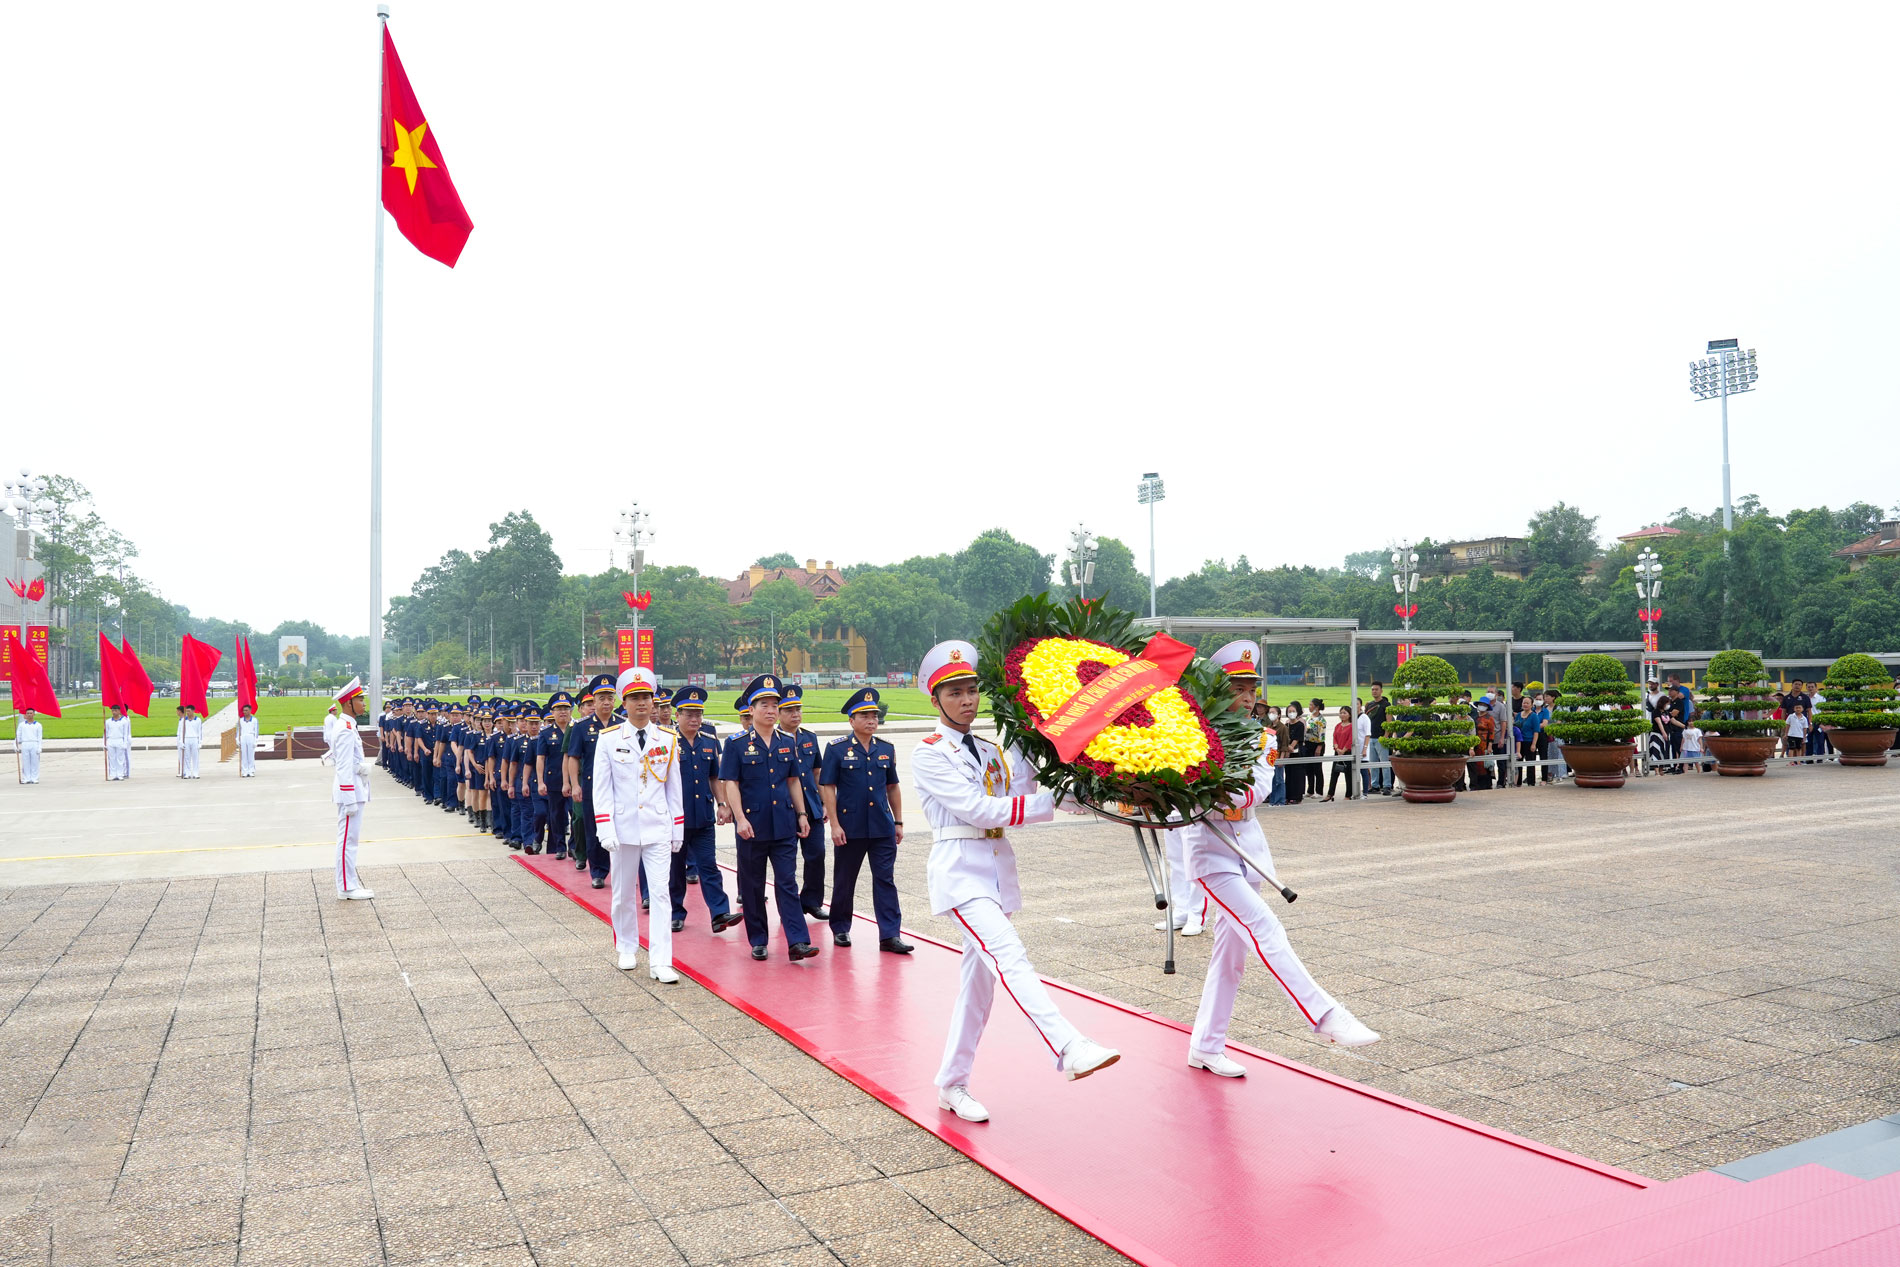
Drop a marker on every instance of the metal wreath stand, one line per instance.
(1154, 859)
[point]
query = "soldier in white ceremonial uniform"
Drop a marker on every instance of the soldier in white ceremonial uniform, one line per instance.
(118, 745)
(191, 734)
(970, 792)
(1244, 927)
(350, 789)
(640, 819)
(247, 743)
(28, 735)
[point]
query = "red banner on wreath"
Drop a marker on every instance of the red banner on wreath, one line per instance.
(1090, 710)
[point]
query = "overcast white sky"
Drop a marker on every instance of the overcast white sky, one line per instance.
(914, 271)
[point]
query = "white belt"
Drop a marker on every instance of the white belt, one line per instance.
(963, 831)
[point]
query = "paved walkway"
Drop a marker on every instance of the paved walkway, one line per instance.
(1679, 974)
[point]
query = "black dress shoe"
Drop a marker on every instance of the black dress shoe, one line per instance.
(692, 877)
(729, 920)
(820, 912)
(514, 844)
(895, 945)
(600, 884)
(841, 939)
(679, 925)
(531, 848)
(803, 950)
(759, 952)
(646, 904)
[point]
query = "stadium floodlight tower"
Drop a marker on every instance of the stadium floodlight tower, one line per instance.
(1726, 371)
(1147, 493)
(1081, 560)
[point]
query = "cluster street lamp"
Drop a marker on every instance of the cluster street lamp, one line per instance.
(29, 502)
(631, 535)
(1405, 585)
(1649, 591)
(1081, 560)
(1147, 493)
(1727, 371)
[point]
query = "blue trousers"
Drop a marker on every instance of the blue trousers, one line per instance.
(599, 861)
(844, 884)
(782, 855)
(1276, 795)
(699, 854)
(504, 808)
(524, 819)
(811, 895)
(555, 811)
(444, 783)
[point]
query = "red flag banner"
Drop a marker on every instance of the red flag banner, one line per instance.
(247, 677)
(196, 661)
(624, 649)
(134, 684)
(110, 695)
(1090, 710)
(417, 191)
(31, 687)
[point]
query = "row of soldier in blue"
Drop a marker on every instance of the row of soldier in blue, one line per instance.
(525, 772)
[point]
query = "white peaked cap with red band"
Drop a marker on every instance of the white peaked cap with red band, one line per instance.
(946, 662)
(353, 687)
(1240, 658)
(635, 679)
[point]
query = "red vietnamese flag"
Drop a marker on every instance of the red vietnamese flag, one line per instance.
(417, 190)
(196, 661)
(135, 685)
(31, 688)
(247, 677)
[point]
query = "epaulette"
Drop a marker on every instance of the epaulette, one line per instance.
(933, 737)
(665, 730)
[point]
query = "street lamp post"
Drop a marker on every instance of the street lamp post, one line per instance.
(1405, 585)
(1147, 493)
(1649, 590)
(1081, 560)
(632, 536)
(27, 496)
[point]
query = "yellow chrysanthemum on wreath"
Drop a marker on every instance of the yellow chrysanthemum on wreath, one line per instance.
(1162, 733)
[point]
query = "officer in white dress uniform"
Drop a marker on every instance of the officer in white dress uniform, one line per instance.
(191, 733)
(1244, 928)
(28, 734)
(640, 819)
(350, 789)
(969, 792)
(118, 745)
(247, 743)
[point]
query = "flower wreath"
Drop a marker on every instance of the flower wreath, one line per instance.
(1178, 751)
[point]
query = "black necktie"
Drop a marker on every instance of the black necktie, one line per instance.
(642, 736)
(969, 741)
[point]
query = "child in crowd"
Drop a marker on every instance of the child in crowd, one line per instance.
(1692, 749)
(1795, 743)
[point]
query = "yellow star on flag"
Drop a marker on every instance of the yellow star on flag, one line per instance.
(409, 155)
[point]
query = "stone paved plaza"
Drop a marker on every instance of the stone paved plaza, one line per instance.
(213, 1068)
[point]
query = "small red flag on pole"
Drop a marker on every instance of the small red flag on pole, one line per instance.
(135, 686)
(196, 660)
(31, 687)
(247, 677)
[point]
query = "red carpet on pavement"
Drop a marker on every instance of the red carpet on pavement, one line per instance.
(1289, 1165)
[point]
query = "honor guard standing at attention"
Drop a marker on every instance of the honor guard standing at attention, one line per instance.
(639, 818)
(191, 734)
(501, 791)
(448, 774)
(859, 783)
(478, 752)
(791, 718)
(699, 795)
(969, 792)
(28, 737)
(527, 745)
(1244, 927)
(549, 774)
(443, 785)
(247, 743)
(582, 737)
(351, 789)
(118, 745)
(768, 811)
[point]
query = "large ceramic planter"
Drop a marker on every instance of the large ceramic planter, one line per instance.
(1598, 764)
(1861, 747)
(1429, 780)
(1741, 756)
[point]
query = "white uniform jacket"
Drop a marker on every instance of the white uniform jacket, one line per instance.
(247, 733)
(26, 735)
(969, 803)
(637, 797)
(118, 732)
(351, 776)
(191, 732)
(1207, 853)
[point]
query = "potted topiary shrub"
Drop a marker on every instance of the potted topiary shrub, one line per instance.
(1739, 734)
(1598, 712)
(1859, 712)
(1429, 740)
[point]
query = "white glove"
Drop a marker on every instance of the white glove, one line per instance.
(679, 845)
(611, 846)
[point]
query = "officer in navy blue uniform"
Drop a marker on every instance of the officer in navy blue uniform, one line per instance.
(452, 757)
(531, 808)
(581, 738)
(552, 806)
(502, 794)
(791, 717)
(431, 726)
(444, 763)
(760, 772)
(699, 795)
(859, 782)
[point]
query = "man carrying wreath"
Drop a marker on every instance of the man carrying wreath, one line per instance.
(970, 792)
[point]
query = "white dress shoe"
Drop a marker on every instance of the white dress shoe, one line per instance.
(960, 1102)
(629, 959)
(1220, 1065)
(665, 976)
(1193, 928)
(1161, 925)
(360, 895)
(1082, 1058)
(1342, 1027)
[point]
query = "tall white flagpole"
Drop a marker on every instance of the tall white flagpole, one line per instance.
(376, 410)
